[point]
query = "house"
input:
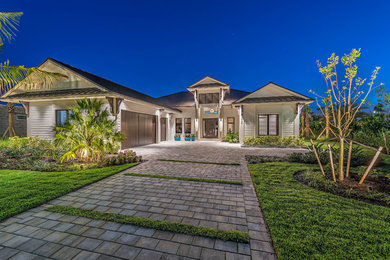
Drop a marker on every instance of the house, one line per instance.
(20, 120)
(209, 108)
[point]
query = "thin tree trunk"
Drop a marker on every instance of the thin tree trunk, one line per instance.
(307, 121)
(326, 122)
(341, 160)
(331, 162)
(349, 159)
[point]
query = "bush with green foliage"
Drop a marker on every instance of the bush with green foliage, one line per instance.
(268, 140)
(127, 156)
(90, 134)
(373, 139)
(30, 153)
(231, 138)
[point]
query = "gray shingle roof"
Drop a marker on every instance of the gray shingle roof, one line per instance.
(112, 86)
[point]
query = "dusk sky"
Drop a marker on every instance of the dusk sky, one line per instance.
(161, 47)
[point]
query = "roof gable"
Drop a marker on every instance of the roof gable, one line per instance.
(208, 82)
(80, 79)
(272, 92)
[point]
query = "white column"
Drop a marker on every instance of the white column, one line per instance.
(241, 124)
(158, 135)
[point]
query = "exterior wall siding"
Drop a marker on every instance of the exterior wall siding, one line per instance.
(288, 119)
(42, 119)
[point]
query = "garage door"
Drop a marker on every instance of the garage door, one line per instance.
(139, 129)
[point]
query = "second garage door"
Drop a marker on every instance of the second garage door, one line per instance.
(139, 129)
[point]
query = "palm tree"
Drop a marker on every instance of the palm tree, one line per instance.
(10, 75)
(90, 134)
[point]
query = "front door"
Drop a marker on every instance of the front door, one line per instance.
(210, 128)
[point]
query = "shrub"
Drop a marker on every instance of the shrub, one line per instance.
(358, 157)
(291, 141)
(231, 138)
(371, 138)
(127, 156)
(90, 134)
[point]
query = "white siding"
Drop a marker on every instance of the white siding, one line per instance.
(288, 119)
(250, 120)
(41, 121)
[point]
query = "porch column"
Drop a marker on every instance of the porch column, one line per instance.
(241, 123)
(158, 123)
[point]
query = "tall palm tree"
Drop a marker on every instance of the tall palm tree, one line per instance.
(10, 75)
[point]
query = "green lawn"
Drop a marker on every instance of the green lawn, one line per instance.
(22, 190)
(309, 224)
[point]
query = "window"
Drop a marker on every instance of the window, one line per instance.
(268, 124)
(187, 127)
(62, 117)
(208, 98)
(230, 125)
(179, 127)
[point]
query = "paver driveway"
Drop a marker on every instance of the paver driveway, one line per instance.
(38, 234)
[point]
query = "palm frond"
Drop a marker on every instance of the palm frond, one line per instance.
(8, 25)
(10, 75)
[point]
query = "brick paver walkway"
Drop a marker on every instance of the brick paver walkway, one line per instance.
(39, 234)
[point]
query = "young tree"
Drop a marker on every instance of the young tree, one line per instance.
(344, 98)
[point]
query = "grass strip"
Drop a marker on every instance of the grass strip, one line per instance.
(225, 235)
(183, 178)
(219, 163)
(21, 190)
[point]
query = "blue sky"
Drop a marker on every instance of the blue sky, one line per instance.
(161, 47)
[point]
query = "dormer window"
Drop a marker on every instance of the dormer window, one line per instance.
(209, 98)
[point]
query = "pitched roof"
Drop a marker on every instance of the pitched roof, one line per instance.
(295, 95)
(273, 99)
(186, 99)
(112, 86)
(212, 83)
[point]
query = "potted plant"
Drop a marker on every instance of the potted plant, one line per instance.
(177, 137)
(187, 137)
(193, 137)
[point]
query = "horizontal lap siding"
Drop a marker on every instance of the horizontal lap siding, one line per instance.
(42, 120)
(287, 118)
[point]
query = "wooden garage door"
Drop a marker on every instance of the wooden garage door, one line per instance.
(139, 129)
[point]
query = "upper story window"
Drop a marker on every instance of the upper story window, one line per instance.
(62, 117)
(208, 98)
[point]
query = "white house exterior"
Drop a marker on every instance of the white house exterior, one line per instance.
(209, 108)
